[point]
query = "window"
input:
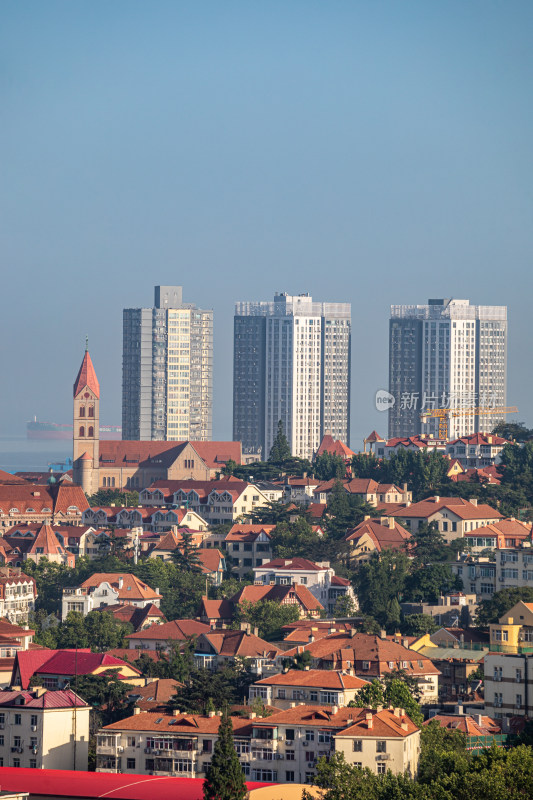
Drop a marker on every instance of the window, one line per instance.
(18, 719)
(366, 664)
(289, 755)
(33, 719)
(130, 763)
(313, 696)
(82, 430)
(289, 777)
(91, 431)
(382, 768)
(2, 740)
(357, 764)
(289, 734)
(16, 741)
(131, 741)
(381, 746)
(16, 762)
(82, 411)
(91, 411)
(309, 736)
(281, 694)
(358, 745)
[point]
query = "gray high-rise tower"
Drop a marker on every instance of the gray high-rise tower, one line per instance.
(291, 362)
(167, 370)
(446, 354)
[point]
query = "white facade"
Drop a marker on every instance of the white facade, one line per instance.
(319, 581)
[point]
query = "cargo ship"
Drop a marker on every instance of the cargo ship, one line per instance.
(56, 430)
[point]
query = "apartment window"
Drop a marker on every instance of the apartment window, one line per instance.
(289, 777)
(18, 719)
(289, 734)
(381, 746)
(2, 740)
(33, 763)
(131, 741)
(16, 741)
(358, 745)
(33, 719)
(281, 694)
(357, 764)
(366, 664)
(16, 762)
(130, 763)
(289, 755)
(309, 736)
(381, 768)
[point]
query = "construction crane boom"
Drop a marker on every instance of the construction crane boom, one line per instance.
(445, 414)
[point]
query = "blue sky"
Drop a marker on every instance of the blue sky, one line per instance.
(370, 152)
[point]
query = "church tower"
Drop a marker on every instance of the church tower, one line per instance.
(86, 426)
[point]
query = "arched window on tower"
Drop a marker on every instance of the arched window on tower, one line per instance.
(82, 411)
(91, 411)
(91, 431)
(82, 430)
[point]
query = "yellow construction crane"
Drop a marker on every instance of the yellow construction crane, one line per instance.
(445, 414)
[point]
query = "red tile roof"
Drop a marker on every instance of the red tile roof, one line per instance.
(216, 609)
(87, 377)
(292, 565)
(319, 678)
(467, 724)
(64, 698)
(383, 537)
(176, 630)
(163, 454)
(240, 643)
(335, 447)
(279, 594)
(132, 587)
(463, 509)
(247, 533)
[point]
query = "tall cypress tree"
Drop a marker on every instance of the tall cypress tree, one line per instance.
(280, 450)
(224, 776)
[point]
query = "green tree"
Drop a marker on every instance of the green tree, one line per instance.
(418, 624)
(185, 556)
(513, 431)
(224, 778)
(443, 751)
(280, 450)
(106, 693)
(328, 466)
(344, 606)
(378, 582)
(293, 539)
(430, 545)
(427, 583)
(490, 611)
(393, 691)
(108, 497)
(267, 616)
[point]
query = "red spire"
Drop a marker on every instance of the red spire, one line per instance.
(87, 377)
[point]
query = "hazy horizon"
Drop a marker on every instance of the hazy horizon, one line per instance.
(364, 153)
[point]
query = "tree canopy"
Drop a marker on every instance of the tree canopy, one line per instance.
(280, 450)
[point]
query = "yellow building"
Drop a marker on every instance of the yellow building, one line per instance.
(43, 730)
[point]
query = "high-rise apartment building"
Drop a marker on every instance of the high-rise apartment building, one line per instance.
(291, 362)
(446, 354)
(167, 370)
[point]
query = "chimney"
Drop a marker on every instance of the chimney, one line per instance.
(176, 712)
(353, 631)
(292, 705)
(256, 631)
(367, 516)
(405, 727)
(406, 643)
(120, 582)
(311, 638)
(369, 721)
(391, 522)
(473, 500)
(136, 710)
(436, 499)
(334, 709)
(383, 634)
(397, 712)
(211, 714)
(379, 709)
(404, 487)
(39, 691)
(253, 715)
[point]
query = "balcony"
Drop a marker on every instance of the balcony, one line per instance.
(106, 750)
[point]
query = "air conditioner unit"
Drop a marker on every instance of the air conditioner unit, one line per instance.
(2, 726)
(34, 727)
(280, 738)
(305, 744)
(120, 749)
(288, 741)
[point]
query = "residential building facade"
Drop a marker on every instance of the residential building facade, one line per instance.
(446, 354)
(282, 748)
(291, 362)
(167, 370)
(44, 730)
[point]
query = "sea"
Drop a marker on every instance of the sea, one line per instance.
(19, 454)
